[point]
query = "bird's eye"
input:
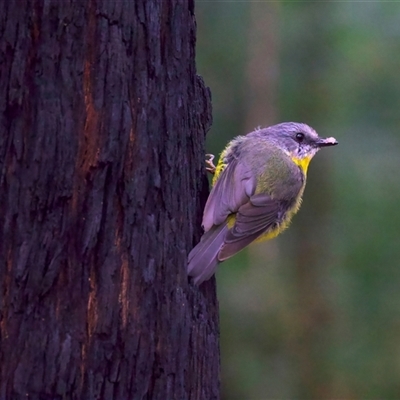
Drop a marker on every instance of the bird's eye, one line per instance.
(299, 136)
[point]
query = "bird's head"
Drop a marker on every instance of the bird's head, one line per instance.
(299, 141)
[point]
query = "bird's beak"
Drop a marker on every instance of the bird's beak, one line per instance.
(331, 141)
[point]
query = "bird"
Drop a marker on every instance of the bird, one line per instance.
(257, 188)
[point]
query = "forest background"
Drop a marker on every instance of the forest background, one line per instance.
(316, 312)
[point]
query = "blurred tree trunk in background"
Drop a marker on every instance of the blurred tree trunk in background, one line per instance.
(312, 315)
(306, 331)
(102, 122)
(261, 83)
(262, 68)
(308, 319)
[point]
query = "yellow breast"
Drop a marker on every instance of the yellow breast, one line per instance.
(303, 164)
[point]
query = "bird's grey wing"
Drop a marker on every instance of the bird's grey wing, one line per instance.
(202, 260)
(233, 188)
(254, 218)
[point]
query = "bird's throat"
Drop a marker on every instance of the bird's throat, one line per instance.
(303, 163)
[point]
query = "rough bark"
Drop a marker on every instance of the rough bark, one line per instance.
(102, 122)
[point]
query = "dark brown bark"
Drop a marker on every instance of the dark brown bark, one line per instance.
(101, 175)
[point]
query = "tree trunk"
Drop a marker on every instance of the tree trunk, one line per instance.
(101, 187)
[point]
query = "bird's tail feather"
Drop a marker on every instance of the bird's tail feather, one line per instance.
(203, 259)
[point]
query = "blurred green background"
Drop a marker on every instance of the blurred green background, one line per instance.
(315, 313)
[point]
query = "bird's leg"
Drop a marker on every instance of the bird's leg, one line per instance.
(209, 162)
